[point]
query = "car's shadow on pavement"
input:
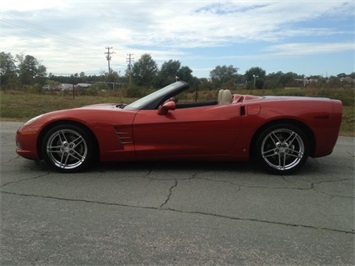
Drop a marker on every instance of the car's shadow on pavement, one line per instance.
(237, 168)
(199, 166)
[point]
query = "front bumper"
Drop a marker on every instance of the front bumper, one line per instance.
(26, 142)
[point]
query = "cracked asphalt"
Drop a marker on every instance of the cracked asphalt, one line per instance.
(176, 213)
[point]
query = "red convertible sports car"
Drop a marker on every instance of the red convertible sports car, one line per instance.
(278, 132)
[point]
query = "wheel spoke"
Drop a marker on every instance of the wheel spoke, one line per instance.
(291, 138)
(274, 138)
(77, 155)
(284, 161)
(271, 152)
(296, 154)
(78, 140)
(280, 160)
(64, 159)
(52, 149)
(62, 137)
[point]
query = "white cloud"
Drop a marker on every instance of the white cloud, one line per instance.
(300, 49)
(71, 35)
(33, 5)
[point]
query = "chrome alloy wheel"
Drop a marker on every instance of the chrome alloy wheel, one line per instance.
(282, 149)
(67, 149)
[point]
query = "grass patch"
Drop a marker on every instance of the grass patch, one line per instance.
(348, 122)
(20, 106)
(24, 106)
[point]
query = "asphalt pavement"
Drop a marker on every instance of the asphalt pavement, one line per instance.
(176, 213)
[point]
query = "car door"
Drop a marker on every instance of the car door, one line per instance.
(202, 130)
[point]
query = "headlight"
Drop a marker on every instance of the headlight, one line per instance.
(32, 120)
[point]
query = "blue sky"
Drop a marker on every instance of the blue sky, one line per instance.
(69, 36)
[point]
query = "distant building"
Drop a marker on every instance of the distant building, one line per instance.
(306, 81)
(83, 85)
(65, 87)
(47, 88)
(347, 80)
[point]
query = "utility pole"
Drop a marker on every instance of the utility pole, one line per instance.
(129, 68)
(255, 77)
(129, 60)
(108, 57)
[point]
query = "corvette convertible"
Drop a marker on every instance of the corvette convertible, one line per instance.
(278, 133)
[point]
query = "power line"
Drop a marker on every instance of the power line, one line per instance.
(9, 21)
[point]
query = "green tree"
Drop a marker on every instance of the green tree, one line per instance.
(255, 77)
(288, 78)
(273, 80)
(223, 74)
(30, 69)
(112, 79)
(41, 74)
(185, 74)
(168, 73)
(144, 71)
(8, 71)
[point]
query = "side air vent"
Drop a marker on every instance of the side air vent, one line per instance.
(124, 137)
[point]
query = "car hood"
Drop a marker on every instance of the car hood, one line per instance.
(102, 106)
(79, 111)
(80, 114)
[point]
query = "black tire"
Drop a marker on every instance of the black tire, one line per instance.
(68, 148)
(281, 148)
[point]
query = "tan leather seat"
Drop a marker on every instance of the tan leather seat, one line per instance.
(225, 97)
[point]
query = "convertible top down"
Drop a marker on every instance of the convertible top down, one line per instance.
(280, 133)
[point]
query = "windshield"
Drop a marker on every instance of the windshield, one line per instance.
(150, 97)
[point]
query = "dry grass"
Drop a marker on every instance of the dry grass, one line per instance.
(19, 106)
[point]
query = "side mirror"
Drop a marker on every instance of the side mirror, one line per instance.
(164, 109)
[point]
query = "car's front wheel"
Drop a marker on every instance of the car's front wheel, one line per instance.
(282, 148)
(67, 148)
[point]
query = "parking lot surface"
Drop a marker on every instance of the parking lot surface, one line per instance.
(176, 213)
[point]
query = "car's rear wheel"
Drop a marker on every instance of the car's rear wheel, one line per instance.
(282, 148)
(68, 148)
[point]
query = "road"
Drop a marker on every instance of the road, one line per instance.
(176, 213)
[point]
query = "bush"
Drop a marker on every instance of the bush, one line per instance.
(134, 91)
